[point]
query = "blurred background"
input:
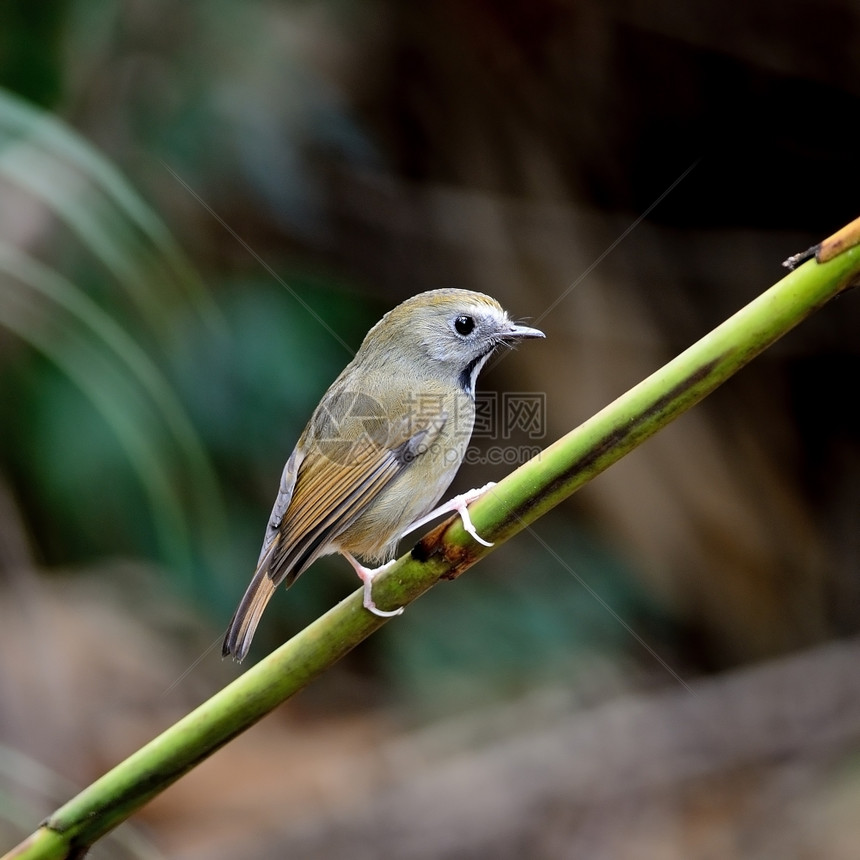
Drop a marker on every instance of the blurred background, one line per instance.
(189, 191)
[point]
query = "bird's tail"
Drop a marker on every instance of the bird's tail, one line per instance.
(247, 615)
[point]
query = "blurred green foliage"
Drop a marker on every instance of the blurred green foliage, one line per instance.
(31, 42)
(136, 375)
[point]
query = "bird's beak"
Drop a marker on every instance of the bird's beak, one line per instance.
(523, 331)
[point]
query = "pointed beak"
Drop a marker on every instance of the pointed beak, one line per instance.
(516, 331)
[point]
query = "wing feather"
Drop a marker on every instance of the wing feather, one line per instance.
(318, 499)
(331, 495)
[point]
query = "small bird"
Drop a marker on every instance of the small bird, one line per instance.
(381, 447)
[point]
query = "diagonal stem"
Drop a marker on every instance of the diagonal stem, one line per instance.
(522, 497)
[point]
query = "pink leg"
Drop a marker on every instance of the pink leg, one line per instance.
(458, 504)
(366, 575)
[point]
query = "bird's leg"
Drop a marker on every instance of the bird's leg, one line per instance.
(458, 504)
(367, 575)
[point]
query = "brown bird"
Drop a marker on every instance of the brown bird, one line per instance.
(381, 447)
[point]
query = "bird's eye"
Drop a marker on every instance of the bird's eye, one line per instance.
(464, 325)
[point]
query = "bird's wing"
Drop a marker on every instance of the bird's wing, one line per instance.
(323, 491)
(282, 502)
(335, 487)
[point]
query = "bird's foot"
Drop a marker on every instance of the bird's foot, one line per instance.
(367, 575)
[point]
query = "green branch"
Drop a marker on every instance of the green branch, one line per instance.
(446, 552)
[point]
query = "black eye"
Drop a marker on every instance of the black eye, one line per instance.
(464, 325)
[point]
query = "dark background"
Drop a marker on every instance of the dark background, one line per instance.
(625, 175)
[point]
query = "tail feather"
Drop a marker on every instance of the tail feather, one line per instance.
(248, 613)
